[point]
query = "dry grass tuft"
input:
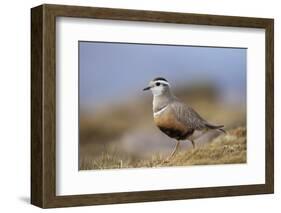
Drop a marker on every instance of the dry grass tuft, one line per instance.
(228, 148)
(225, 149)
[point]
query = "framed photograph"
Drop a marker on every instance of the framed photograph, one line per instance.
(135, 106)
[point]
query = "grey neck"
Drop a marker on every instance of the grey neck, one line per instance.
(161, 101)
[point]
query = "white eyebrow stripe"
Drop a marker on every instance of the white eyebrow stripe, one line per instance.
(162, 82)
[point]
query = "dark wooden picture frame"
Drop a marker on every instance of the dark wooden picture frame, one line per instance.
(43, 105)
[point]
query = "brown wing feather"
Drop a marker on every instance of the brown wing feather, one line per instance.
(188, 116)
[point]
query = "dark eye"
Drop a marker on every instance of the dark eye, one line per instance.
(157, 84)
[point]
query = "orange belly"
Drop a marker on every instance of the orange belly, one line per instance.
(168, 123)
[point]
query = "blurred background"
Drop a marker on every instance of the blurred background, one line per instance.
(116, 128)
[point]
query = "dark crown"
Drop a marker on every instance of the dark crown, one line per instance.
(160, 78)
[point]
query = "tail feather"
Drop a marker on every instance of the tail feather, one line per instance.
(218, 127)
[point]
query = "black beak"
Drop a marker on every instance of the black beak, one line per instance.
(146, 88)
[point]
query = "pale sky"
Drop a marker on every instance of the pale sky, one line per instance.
(111, 71)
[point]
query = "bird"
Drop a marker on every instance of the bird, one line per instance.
(173, 117)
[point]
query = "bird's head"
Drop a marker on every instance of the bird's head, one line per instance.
(158, 86)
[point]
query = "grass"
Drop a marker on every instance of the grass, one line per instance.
(228, 148)
(225, 149)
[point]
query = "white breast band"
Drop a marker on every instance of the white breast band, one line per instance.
(160, 111)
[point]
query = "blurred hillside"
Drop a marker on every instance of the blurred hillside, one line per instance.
(125, 132)
(228, 148)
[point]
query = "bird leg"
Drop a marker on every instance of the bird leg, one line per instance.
(193, 144)
(174, 151)
(197, 137)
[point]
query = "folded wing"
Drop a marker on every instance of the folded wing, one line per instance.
(188, 116)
